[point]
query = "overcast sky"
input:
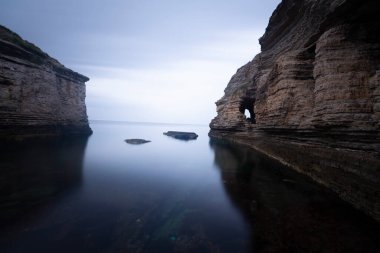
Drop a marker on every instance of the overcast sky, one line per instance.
(148, 60)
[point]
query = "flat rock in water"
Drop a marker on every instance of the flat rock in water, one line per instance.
(136, 141)
(182, 135)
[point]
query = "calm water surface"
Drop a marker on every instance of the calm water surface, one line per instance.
(103, 195)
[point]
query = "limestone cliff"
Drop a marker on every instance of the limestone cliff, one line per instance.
(38, 95)
(313, 94)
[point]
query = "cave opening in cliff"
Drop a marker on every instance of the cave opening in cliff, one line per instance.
(247, 114)
(246, 108)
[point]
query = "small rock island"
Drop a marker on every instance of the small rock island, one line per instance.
(136, 141)
(38, 95)
(186, 136)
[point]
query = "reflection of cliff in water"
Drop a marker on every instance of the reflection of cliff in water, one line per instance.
(35, 171)
(287, 211)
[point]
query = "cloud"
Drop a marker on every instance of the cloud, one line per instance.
(148, 60)
(174, 90)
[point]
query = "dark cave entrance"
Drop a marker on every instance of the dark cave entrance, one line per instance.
(246, 108)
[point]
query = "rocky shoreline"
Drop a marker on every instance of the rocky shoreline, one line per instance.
(313, 95)
(352, 174)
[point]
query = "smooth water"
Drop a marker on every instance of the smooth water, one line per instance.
(103, 195)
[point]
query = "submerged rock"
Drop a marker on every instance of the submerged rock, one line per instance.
(182, 135)
(136, 141)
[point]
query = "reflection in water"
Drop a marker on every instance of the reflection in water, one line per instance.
(165, 196)
(288, 212)
(67, 195)
(33, 173)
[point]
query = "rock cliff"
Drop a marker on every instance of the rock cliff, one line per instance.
(313, 95)
(38, 95)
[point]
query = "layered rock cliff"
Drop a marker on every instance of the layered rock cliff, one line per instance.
(313, 94)
(38, 95)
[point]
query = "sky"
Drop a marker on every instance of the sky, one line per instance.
(147, 60)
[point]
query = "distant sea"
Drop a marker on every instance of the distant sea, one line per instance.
(100, 194)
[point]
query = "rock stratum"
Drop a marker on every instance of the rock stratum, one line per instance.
(38, 95)
(313, 95)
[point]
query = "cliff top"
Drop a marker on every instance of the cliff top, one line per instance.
(12, 45)
(296, 23)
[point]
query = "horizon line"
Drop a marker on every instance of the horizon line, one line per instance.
(145, 122)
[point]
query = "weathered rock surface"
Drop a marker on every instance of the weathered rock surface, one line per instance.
(315, 86)
(38, 95)
(182, 135)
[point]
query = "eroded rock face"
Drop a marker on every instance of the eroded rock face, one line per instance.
(317, 82)
(38, 95)
(319, 68)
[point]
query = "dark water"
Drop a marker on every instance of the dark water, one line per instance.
(103, 195)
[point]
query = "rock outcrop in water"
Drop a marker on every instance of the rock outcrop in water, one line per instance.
(136, 141)
(38, 95)
(313, 94)
(185, 136)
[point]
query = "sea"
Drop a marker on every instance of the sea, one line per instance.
(101, 194)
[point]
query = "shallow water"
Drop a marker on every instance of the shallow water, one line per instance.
(103, 195)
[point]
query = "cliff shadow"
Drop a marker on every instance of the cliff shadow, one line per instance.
(35, 172)
(287, 211)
